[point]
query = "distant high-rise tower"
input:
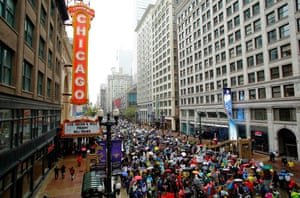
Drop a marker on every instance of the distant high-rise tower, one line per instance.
(124, 60)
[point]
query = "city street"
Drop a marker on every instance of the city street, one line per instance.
(66, 188)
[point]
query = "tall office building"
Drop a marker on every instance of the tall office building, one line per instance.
(250, 48)
(124, 61)
(163, 48)
(32, 56)
(144, 69)
(118, 84)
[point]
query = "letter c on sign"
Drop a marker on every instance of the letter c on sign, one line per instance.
(81, 18)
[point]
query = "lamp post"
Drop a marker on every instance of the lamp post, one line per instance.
(200, 114)
(108, 123)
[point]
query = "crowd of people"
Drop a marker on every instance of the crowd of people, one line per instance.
(161, 165)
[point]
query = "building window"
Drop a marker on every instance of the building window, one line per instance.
(251, 77)
(288, 90)
(261, 93)
(273, 54)
(284, 114)
(27, 76)
(258, 114)
(240, 80)
(249, 45)
(297, 5)
(225, 83)
(7, 11)
(231, 39)
(48, 87)
(29, 29)
(259, 58)
(233, 81)
(245, 2)
(255, 9)
(237, 35)
(258, 42)
(257, 25)
(252, 94)
(241, 95)
(232, 67)
(236, 21)
(234, 96)
(57, 67)
(247, 14)
(40, 83)
(283, 11)
(269, 3)
(229, 25)
(56, 91)
(42, 48)
(238, 50)
(284, 31)
(287, 70)
(298, 24)
(239, 65)
(260, 76)
(250, 61)
(6, 63)
(51, 32)
(49, 59)
(274, 73)
(271, 18)
(231, 52)
(43, 16)
(276, 93)
(248, 29)
(285, 50)
(272, 36)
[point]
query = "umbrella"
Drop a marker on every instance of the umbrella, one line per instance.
(266, 167)
(138, 177)
(237, 180)
(195, 172)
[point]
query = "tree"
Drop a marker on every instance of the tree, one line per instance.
(130, 113)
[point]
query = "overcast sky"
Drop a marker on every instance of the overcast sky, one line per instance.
(111, 29)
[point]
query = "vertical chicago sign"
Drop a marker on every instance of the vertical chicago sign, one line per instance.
(81, 17)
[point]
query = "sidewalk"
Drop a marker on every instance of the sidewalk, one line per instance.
(63, 188)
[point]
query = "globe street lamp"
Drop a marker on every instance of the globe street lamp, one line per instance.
(108, 124)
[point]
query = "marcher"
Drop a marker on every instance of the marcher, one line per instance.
(63, 171)
(79, 160)
(72, 173)
(56, 171)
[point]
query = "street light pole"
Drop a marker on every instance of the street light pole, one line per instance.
(200, 127)
(108, 123)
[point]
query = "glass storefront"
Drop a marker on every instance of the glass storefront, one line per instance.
(260, 139)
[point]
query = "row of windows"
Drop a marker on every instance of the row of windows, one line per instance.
(256, 114)
(286, 90)
(20, 126)
(253, 77)
(6, 75)
(279, 114)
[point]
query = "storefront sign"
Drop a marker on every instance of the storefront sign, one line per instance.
(82, 15)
